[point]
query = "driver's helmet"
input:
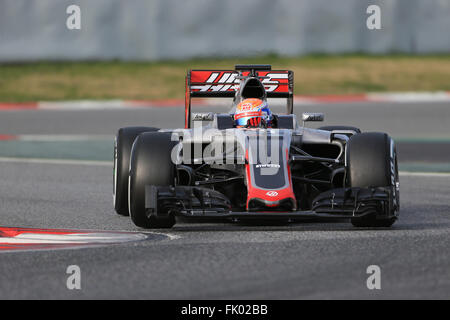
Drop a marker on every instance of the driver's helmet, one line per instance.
(253, 113)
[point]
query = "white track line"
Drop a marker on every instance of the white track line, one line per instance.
(425, 174)
(109, 164)
(58, 161)
(82, 105)
(63, 137)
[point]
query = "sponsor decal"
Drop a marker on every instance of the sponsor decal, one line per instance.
(245, 106)
(248, 114)
(272, 193)
(221, 81)
(268, 165)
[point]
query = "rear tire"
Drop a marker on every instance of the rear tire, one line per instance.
(372, 162)
(151, 164)
(122, 152)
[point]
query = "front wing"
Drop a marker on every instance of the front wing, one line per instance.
(204, 202)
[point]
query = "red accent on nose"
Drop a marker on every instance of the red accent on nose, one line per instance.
(273, 201)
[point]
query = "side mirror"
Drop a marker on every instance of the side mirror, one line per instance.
(312, 116)
(203, 116)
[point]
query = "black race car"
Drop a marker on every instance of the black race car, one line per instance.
(212, 168)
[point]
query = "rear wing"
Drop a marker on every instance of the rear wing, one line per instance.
(224, 83)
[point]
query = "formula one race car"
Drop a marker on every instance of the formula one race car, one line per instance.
(250, 163)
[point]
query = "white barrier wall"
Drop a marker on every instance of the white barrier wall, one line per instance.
(162, 29)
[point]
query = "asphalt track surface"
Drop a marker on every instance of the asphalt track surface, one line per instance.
(215, 260)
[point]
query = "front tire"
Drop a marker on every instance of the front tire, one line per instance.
(151, 164)
(122, 152)
(372, 162)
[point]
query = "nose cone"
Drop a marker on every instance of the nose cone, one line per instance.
(268, 175)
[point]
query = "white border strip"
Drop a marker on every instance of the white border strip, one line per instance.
(393, 97)
(399, 97)
(81, 105)
(425, 174)
(110, 164)
(63, 137)
(404, 97)
(57, 161)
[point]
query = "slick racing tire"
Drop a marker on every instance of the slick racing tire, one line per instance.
(122, 152)
(150, 164)
(372, 162)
